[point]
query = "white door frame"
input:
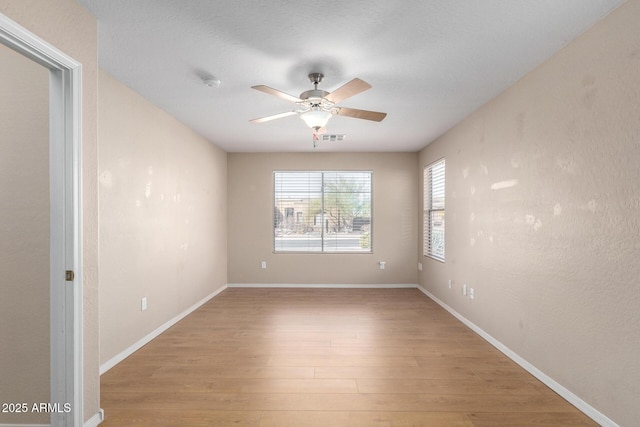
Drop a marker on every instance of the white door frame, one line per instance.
(66, 218)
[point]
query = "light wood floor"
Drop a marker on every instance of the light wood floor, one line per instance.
(325, 358)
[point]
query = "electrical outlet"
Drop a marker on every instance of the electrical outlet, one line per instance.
(464, 290)
(419, 266)
(143, 303)
(450, 283)
(472, 293)
(382, 264)
(264, 264)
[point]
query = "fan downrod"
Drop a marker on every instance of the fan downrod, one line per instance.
(316, 78)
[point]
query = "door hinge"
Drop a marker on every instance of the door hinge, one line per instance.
(69, 275)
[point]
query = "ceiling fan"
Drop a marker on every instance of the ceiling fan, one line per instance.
(317, 106)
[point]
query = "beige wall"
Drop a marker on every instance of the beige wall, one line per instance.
(162, 217)
(24, 227)
(543, 217)
(73, 30)
(250, 208)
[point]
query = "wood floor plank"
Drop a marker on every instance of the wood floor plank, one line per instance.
(234, 372)
(235, 385)
(531, 420)
(363, 419)
(274, 401)
(325, 357)
(449, 386)
(301, 386)
(141, 417)
(395, 372)
(329, 360)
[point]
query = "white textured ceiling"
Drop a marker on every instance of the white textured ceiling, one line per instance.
(431, 62)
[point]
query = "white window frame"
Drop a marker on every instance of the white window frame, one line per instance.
(319, 219)
(434, 179)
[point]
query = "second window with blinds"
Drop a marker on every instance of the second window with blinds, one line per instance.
(322, 211)
(433, 221)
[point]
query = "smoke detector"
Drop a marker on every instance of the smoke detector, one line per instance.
(211, 81)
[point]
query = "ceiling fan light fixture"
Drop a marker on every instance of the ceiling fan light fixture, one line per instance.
(316, 118)
(316, 106)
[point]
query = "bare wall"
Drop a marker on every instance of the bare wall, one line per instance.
(162, 217)
(543, 217)
(73, 30)
(394, 203)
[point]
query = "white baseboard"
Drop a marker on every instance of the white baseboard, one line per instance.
(96, 419)
(580, 404)
(320, 285)
(146, 339)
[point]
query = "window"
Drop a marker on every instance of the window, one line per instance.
(322, 211)
(433, 221)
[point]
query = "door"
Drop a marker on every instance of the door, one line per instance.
(25, 241)
(40, 253)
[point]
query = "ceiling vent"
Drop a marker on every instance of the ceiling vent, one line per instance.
(334, 137)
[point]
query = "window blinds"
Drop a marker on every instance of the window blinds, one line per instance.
(322, 211)
(434, 208)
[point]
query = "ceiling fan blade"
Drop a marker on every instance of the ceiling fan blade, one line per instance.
(276, 92)
(361, 114)
(347, 90)
(272, 117)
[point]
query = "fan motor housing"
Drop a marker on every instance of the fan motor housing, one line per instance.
(313, 94)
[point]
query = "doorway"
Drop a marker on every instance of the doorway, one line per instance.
(40, 224)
